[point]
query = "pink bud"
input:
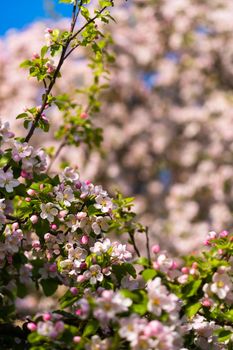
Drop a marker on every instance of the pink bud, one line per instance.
(78, 312)
(84, 115)
(78, 185)
(206, 302)
(155, 265)
(62, 213)
(185, 270)
(155, 249)
(47, 236)
(195, 265)
(81, 278)
(49, 30)
(77, 339)
(53, 227)
(87, 182)
(34, 219)
(220, 251)
(24, 174)
(207, 242)
(44, 118)
(74, 290)
(35, 56)
(41, 186)
(224, 234)
(28, 199)
(83, 266)
(47, 316)
(84, 239)
(32, 326)
(15, 226)
(53, 267)
(31, 192)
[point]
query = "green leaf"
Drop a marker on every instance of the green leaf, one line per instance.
(149, 274)
(91, 328)
(44, 51)
(26, 63)
(192, 309)
(131, 270)
(49, 286)
(22, 115)
(140, 309)
(191, 288)
(224, 335)
(142, 261)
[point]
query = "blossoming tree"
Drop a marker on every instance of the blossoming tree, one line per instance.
(166, 114)
(56, 234)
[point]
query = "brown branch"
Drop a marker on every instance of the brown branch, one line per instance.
(131, 234)
(62, 145)
(148, 244)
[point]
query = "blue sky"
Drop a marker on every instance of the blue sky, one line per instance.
(20, 13)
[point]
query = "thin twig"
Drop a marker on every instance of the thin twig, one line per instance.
(148, 243)
(134, 244)
(62, 145)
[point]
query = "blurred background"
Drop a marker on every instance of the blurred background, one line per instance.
(167, 114)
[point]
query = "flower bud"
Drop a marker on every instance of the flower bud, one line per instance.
(74, 290)
(223, 234)
(84, 239)
(32, 326)
(81, 278)
(34, 219)
(84, 115)
(83, 266)
(47, 316)
(15, 226)
(185, 270)
(31, 192)
(35, 56)
(155, 249)
(77, 339)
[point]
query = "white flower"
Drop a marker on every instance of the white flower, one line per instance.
(48, 211)
(94, 274)
(7, 180)
(77, 253)
(221, 285)
(131, 327)
(5, 134)
(66, 196)
(100, 223)
(110, 304)
(103, 203)
(120, 252)
(21, 150)
(101, 248)
(70, 174)
(159, 298)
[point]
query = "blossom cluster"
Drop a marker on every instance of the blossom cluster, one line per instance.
(57, 230)
(168, 135)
